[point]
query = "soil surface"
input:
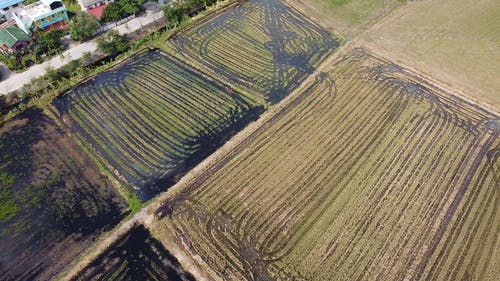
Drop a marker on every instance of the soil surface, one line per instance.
(135, 256)
(53, 200)
(113, 140)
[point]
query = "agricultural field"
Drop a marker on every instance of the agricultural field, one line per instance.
(53, 201)
(456, 42)
(369, 174)
(261, 45)
(350, 17)
(152, 118)
(135, 256)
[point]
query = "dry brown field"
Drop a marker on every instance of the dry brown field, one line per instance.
(369, 174)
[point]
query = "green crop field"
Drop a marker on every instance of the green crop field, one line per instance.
(455, 41)
(349, 17)
(262, 45)
(152, 118)
(370, 174)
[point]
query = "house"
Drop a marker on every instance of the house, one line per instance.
(97, 11)
(7, 23)
(94, 7)
(44, 14)
(7, 6)
(13, 39)
(90, 4)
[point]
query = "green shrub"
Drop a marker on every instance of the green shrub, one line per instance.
(112, 43)
(122, 8)
(176, 12)
(83, 26)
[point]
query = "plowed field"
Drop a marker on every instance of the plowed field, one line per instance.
(371, 175)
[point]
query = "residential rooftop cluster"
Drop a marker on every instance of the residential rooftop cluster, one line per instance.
(43, 15)
(20, 16)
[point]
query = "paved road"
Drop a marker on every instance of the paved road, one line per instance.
(17, 80)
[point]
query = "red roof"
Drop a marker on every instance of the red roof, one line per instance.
(7, 24)
(97, 12)
(61, 25)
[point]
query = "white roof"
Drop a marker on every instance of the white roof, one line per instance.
(34, 10)
(8, 3)
(88, 3)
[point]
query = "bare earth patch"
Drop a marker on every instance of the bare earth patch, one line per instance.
(456, 42)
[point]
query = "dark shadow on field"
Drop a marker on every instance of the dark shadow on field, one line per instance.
(206, 144)
(148, 178)
(295, 45)
(53, 202)
(135, 256)
(230, 226)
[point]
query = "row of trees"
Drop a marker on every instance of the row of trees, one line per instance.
(178, 11)
(82, 27)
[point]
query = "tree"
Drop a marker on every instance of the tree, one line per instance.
(174, 14)
(48, 42)
(26, 61)
(117, 10)
(86, 59)
(113, 12)
(51, 73)
(83, 26)
(130, 6)
(112, 43)
(12, 63)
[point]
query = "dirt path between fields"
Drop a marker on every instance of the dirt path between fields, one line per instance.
(99, 247)
(223, 154)
(446, 81)
(146, 216)
(378, 51)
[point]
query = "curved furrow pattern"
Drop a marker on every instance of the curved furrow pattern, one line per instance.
(373, 175)
(150, 119)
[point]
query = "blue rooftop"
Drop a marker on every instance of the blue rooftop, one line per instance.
(8, 3)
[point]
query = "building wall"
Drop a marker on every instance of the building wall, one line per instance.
(19, 45)
(89, 4)
(21, 24)
(54, 16)
(9, 4)
(8, 9)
